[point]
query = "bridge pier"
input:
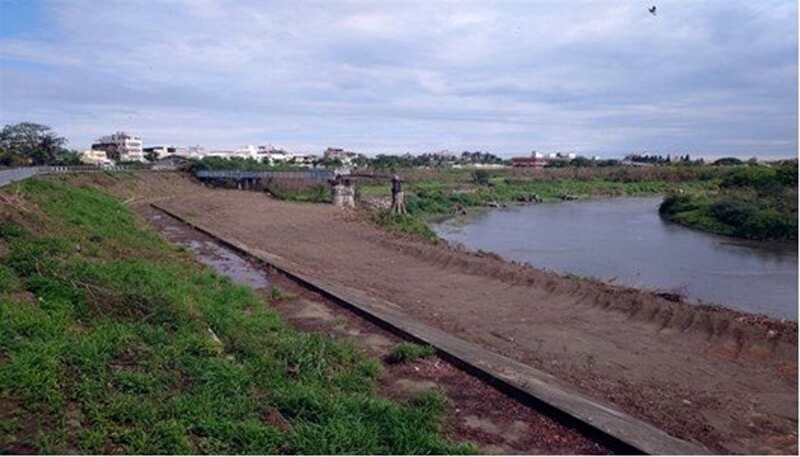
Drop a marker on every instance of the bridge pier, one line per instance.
(343, 193)
(398, 196)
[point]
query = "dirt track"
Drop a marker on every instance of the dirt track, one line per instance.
(721, 378)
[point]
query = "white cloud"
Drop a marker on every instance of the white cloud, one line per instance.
(385, 76)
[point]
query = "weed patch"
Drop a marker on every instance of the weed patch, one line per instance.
(130, 348)
(409, 352)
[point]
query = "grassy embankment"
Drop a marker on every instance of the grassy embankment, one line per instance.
(114, 341)
(754, 202)
(432, 195)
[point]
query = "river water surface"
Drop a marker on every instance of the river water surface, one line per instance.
(625, 241)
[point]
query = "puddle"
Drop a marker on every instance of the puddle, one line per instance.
(221, 259)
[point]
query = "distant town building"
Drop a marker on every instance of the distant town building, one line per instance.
(95, 157)
(535, 160)
(346, 157)
(272, 155)
(246, 152)
(121, 146)
(190, 152)
(304, 159)
(160, 151)
(528, 162)
(220, 153)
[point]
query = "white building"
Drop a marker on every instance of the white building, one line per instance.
(221, 153)
(121, 146)
(191, 152)
(160, 151)
(95, 157)
(272, 155)
(246, 152)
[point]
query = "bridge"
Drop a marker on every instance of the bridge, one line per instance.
(308, 175)
(342, 182)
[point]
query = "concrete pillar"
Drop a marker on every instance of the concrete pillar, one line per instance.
(350, 194)
(398, 203)
(398, 196)
(343, 194)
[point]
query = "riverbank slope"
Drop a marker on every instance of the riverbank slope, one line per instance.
(722, 378)
(113, 341)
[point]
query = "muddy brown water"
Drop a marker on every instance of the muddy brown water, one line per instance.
(209, 252)
(625, 241)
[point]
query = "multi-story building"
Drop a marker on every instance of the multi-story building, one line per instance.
(121, 146)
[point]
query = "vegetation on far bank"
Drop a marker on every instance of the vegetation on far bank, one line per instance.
(430, 194)
(114, 341)
(735, 198)
(755, 202)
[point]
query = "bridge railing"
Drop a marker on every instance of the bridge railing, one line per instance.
(313, 175)
(10, 175)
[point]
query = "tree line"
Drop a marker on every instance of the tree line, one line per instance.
(31, 144)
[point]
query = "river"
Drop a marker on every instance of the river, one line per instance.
(625, 241)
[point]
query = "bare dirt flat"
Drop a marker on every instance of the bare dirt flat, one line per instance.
(725, 379)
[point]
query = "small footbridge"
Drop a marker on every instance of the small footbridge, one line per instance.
(342, 182)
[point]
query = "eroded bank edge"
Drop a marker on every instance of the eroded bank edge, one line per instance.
(619, 431)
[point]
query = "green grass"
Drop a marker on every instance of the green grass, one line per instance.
(402, 224)
(317, 193)
(125, 345)
(409, 352)
(278, 294)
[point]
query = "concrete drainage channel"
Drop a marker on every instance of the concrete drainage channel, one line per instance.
(579, 424)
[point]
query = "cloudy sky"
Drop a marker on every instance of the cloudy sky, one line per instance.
(712, 77)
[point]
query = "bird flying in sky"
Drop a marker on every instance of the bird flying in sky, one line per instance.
(652, 10)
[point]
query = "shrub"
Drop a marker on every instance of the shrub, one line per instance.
(408, 352)
(480, 177)
(403, 223)
(675, 203)
(725, 161)
(756, 176)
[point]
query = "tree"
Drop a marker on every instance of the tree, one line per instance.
(69, 158)
(28, 143)
(727, 161)
(151, 156)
